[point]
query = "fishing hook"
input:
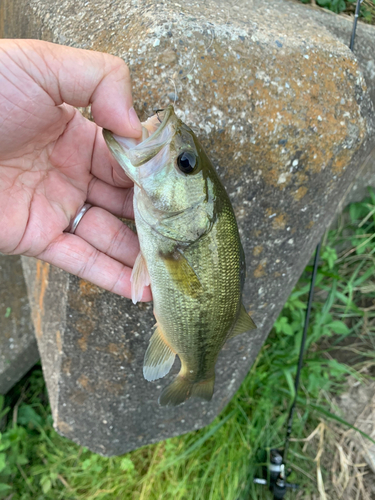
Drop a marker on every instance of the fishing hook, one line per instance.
(157, 114)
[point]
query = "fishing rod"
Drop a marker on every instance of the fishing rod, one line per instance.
(275, 474)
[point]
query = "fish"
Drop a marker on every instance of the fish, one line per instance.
(190, 254)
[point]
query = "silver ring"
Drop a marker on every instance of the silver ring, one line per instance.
(77, 219)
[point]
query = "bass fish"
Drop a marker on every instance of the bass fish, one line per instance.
(191, 254)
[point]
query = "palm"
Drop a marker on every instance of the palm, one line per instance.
(40, 202)
(52, 161)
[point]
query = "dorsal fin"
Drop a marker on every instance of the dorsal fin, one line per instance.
(243, 324)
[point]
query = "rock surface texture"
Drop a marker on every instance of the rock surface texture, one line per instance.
(364, 50)
(18, 347)
(282, 109)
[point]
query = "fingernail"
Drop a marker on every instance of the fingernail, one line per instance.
(134, 120)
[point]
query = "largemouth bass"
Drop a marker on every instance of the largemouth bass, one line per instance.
(191, 254)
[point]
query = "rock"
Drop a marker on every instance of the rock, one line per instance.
(168, 57)
(18, 348)
(282, 109)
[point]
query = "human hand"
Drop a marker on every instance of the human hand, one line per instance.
(53, 160)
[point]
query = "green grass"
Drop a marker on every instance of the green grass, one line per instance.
(220, 461)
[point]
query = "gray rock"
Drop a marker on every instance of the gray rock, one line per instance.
(281, 107)
(18, 348)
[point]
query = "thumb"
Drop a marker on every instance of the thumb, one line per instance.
(81, 77)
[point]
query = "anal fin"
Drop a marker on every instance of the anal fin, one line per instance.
(159, 357)
(139, 278)
(243, 324)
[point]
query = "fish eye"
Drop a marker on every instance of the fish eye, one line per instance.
(186, 162)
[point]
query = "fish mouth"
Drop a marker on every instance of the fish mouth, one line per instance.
(157, 131)
(154, 125)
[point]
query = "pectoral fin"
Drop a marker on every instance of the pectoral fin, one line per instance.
(159, 357)
(182, 273)
(243, 323)
(139, 278)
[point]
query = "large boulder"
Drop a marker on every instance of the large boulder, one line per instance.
(282, 109)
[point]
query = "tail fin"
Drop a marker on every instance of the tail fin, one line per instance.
(181, 389)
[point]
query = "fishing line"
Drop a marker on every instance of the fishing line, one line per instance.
(175, 91)
(193, 65)
(212, 32)
(275, 475)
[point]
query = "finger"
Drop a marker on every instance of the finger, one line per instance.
(117, 201)
(109, 235)
(81, 77)
(75, 255)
